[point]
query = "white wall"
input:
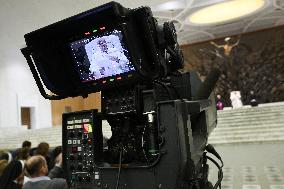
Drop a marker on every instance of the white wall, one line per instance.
(17, 87)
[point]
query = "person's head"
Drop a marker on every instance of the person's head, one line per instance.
(23, 154)
(26, 144)
(3, 165)
(218, 96)
(6, 156)
(251, 92)
(42, 149)
(103, 45)
(36, 166)
(12, 173)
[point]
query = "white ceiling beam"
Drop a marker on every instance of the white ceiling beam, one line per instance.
(187, 8)
(274, 3)
(278, 22)
(259, 16)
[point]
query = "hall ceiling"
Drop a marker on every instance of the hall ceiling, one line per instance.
(271, 15)
(29, 15)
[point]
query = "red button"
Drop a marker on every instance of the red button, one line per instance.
(86, 128)
(90, 141)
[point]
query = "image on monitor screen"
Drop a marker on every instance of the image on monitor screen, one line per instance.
(101, 56)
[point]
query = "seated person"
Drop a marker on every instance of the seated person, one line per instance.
(219, 103)
(54, 155)
(3, 165)
(6, 156)
(37, 169)
(25, 145)
(236, 99)
(253, 101)
(43, 150)
(13, 175)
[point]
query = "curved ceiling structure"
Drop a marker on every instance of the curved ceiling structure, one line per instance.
(270, 14)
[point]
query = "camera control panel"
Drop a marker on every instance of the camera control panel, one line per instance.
(79, 146)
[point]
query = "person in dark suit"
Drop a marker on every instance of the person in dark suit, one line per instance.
(54, 156)
(37, 169)
(43, 149)
(26, 146)
(253, 101)
(13, 175)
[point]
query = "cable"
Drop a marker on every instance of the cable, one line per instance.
(119, 169)
(209, 148)
(220, 173)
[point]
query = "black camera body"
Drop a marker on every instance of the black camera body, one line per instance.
(160, 144)
(160, 118)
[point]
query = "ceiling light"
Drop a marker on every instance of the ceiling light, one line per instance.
(170, 5)
(225, 11)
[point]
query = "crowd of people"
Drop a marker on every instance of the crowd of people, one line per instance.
(32, 168)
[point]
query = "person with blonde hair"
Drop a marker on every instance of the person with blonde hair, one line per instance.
(3, 165)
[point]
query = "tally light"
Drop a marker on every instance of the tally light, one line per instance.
(225, 11)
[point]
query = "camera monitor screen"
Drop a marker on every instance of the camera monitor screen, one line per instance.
(101, 56)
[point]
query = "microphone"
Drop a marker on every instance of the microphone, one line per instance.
(208, 85)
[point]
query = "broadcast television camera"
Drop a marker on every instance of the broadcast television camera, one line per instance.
(160, 117)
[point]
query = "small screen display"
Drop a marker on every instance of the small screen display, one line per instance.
(101, 56)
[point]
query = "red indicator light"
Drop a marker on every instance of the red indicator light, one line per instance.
(118, 78)
(87, 33)
(90, 141)
(102, 28)
(104, 82)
